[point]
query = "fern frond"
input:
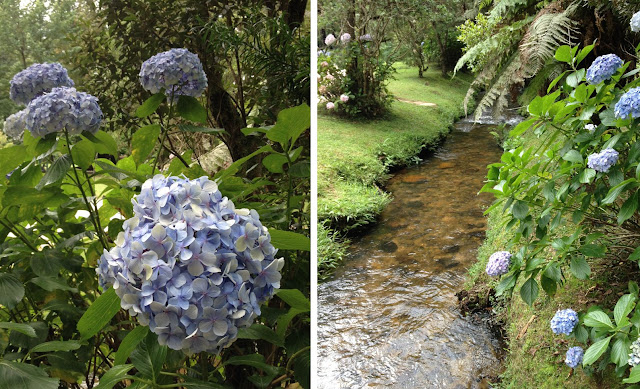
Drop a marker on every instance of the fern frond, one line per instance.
(502, 8)
(495, 99)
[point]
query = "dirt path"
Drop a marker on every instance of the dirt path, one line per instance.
(416, 102)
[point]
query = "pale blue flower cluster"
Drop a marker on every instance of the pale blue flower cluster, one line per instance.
(498, 263)
(38, 79)
(63, 108)
(366, 38)
(603, 68)
(635, 22)
(345, 38)
(190, 265)
(574, 357)
(177, 71)
(602, 161)
(564, 321)
(628, 105)
(15, 125)
(634, 356)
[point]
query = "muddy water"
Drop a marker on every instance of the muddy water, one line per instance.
(389, 316)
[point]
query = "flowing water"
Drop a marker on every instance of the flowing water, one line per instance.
(389, 316)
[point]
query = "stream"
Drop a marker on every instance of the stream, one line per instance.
(389, 316)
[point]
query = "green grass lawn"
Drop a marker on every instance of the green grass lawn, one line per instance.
(354, 156)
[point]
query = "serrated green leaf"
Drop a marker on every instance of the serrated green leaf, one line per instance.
(598, 319)
(300, 169)
(620, 351)
(291, 123)
(595, 351)
(51, 284)
(580, 268)
(593, 250)
(253, 360)
(628, 208)
(149, 356)
(634, 376)
(573, 156)
(563, 54)
(529, 291)
(57, 171)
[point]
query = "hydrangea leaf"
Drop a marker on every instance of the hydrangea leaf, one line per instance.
(11, 157)
(143, 142)
(83, 153)
(150, 105)
(191, 109)
(57, 171)
(620, 351)
(595, 351)
(274, 162)
(634, 376)
(253, 360)
(302, 368)
(300, 169)
(56, 345)
(103, 142)
(11, 290)
(291, 123)
(113, 376)
(529, 291)
(598, 319)
(52, 283)
(623, 307)
(260, 331)
(287, 240)
(580, 268)
(16, 375)
(563, 54)
(99, 314)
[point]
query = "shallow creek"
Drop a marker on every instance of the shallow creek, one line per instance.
(389, 316)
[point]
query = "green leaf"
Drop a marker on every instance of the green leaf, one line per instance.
(57, 345)
(14, 375)
(99, 314)
(302, 369)
(520, 210)
(150, 105)
(628, 208)
(301, 169)
(143, 142)
(83, 153)
(51, 284)
(580, 268)
(620, 351)
(103, 142)
(598, 319)
(21, 195)
(11, 157)
(616, 190)
(113, 376)
(129, 344)
(634, 376)
(191, 109)
(548, 285)
(563, 54)
(291, 123)
(260, 331)
(295, 299)
(19, 327)
(45, 263)
(573, 156)
(56, 171)
(235, 166)
(586, 176)
(284, 320)
(149, 356)
(273, 162)
(593, 250)
(253, 360)
(204, 130)
(11, 290)
(623, 307)
(529, 291)
(595, 351)
(287, 240)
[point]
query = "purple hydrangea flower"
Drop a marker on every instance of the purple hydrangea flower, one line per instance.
(574, 357)
(603, 68)
(564, 321)
(190, 265)
(329, 40)
(177, 71)
(602, 161)
(635, 22)
(498, 263)
(37, 79)
(63, 108)
(15, 125)
(345, 38)
(628, 105)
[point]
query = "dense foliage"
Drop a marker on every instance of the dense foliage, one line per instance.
(573, 198)
(211, 273)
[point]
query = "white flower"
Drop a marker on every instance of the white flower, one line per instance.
(329, 40)
(345, 38)
(590, 127)
(344, 98)
(330, 105)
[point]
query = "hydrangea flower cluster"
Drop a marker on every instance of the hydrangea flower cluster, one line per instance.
(590, 127)
(574, 357)
(635, 22)
(345, 38)
(628, 105)
(330, 39)
(602, 161)
(15, 125)
(63, 108)
(177, 71)
(366, 38)
(330, 105)
(344, 98)
(603, 68)
(38, 79)
(564, 321)
(190, 265)
(498, 263)
(634, 356)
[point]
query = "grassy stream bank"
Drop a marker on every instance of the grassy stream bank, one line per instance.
(355, 157)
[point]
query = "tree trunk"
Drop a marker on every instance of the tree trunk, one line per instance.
(443, 51)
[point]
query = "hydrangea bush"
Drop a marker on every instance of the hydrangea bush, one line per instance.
(190, 265)
(572, 199)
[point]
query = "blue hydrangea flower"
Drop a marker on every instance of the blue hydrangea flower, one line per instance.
(602, 161)
(366, 38)
(63, 108)
(574, 357)
(38, 79)
(177, 71)
(345, 38)
(564, 321)
(15, 125)
(634, 355)
(190, 265)
(628, 105)
(498, 263)
(603, 68)
(635, 22)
